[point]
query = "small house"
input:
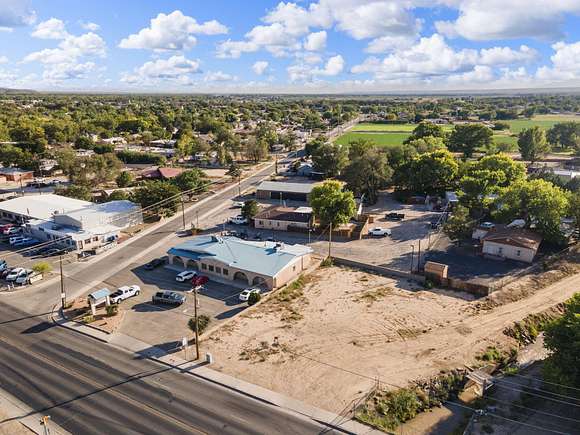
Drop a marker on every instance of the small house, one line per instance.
(284, 218)
(512, 243)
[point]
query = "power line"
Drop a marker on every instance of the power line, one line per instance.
(563, 396)
(545, 382)
(489, 413)
(532, 409)
(538, 395)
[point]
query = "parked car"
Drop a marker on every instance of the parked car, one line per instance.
(395, 216)
(154, 263)
(37, 184)
(237, 204)
(25, 241)
(5, 272)
(487, 225)
(15, 238)
(168, 297)
(25, 276)
(379, 232)
(3, 265)
(15, 273)
(245, 294)
(199, 280)
(186, 275)
(12, 231)
(238, 220)
(4, 228)
(124, 292)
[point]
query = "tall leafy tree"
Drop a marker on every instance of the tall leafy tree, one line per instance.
(565, 135)
(331, 204)
(538, 202)
(428, 173)
(154, 192)
(532, 143)
(330, 158)
(367, 171)
(192, 179)
(467, 138)
(426, 129)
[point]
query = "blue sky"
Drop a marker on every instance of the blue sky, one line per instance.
(305, 46)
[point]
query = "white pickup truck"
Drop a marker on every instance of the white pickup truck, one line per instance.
(124, 292)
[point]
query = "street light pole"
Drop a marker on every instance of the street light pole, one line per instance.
(62, 292)
(182, 212)
(412, 256)
(196, 323)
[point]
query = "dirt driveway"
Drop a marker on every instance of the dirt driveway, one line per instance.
(328, 342)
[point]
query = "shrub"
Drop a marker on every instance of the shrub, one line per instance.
(88, 318)
(202, 320)
(42, 267)
(254, 298)
(327, 262)
(112, 310)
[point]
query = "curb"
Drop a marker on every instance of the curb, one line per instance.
(326, 418)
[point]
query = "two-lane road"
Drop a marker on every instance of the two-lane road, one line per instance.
(88, 387)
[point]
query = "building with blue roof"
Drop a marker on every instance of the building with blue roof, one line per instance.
(243, 262)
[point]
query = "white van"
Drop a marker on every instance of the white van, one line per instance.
(12, 240)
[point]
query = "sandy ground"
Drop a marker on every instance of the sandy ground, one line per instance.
(351, 329)
(12, 427)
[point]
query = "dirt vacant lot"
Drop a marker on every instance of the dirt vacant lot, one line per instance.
(327, 339)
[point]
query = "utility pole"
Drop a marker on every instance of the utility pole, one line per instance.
(412, 256)
(276, 163)
(182, 212)
(62, 292)
(197, 219)
(419, 257)
(196, 323)
(239, 185)
(44, 423)
(329, 241)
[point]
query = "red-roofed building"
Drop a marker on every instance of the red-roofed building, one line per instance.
(512, 243)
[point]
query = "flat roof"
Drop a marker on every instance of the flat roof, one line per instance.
(286, 214)
(102, 214)
(42, 206)
(282, 186)
(264, 258)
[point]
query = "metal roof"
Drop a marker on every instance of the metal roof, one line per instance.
(264, 258)
(281, 186)
(42, 206)
(100, 294)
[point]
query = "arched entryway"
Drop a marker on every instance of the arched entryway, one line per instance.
(241, 277)
(178, 261)
(191, 265)
(259, 281)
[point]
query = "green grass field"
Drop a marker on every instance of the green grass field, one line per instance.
(380, 139)
(385, 135)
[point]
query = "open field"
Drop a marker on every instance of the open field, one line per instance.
(391, 128)
(328, 340)
(380, 139)
(543, 121)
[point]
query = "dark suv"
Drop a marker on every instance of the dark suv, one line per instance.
(168, 297)
(154, 263)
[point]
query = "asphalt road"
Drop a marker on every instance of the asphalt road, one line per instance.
(88, 387)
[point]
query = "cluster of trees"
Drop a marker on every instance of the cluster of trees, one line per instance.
(534, 142)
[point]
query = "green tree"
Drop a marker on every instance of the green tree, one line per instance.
(330, 159)
(532, 143)
(367, 171)
(331, 204)
(538, 202)
(84, 143)
(118, 195)
(312, 146)
(256, 149)
(427, 173)
(460, 225)
(468, 137)
(426, 129)
(82, 192)
(125, 179)
(574, 211)
(234, 171)
(565, 135)
(154, 192)
(254, 298)
(250, 209)
(193, 179)
(426, 144)
(562, 339)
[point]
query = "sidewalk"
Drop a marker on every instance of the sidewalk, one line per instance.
(200, 370)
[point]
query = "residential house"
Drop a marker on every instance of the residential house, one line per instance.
(161, 173)
(284, 190)
(511, 243)
(16, 174)
(284, 218)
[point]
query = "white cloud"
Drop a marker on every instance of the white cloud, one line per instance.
(175, 31)
(3, 59)
(479, 74)
(316, 41)
(52, 28)
(176, 69)
(387, 44)
(499, 19)
(565, 63)
(260, 67)
(68, 71)
(234, 49)
(92, 27)
(432, 56)
(219, 76)
(303, 72)
(16, 13)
